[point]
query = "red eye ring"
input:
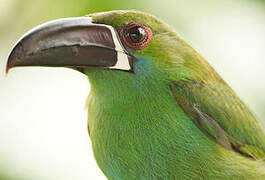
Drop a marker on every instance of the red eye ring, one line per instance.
(135, 35)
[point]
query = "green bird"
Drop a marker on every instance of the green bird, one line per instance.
(157, 109)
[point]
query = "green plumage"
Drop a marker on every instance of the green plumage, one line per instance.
(157, 109)
(143, 125)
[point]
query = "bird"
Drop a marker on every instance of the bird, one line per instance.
(157, 109)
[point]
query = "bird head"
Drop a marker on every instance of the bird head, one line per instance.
(121, 45)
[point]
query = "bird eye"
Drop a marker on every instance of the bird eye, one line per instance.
(135, 35)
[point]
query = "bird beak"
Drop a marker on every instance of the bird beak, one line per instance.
(71, 42)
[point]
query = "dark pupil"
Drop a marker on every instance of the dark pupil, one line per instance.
(136, 34)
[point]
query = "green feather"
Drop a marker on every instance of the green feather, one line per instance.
(218, 101)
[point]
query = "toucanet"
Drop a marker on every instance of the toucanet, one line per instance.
(157, 109)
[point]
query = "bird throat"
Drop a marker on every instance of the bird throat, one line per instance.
(135, 123)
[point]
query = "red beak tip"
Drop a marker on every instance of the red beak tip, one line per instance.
(7, 70)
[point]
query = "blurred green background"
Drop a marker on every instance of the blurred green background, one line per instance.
(43, 134)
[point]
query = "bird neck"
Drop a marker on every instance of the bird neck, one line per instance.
(128, 101)
(137, 124)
